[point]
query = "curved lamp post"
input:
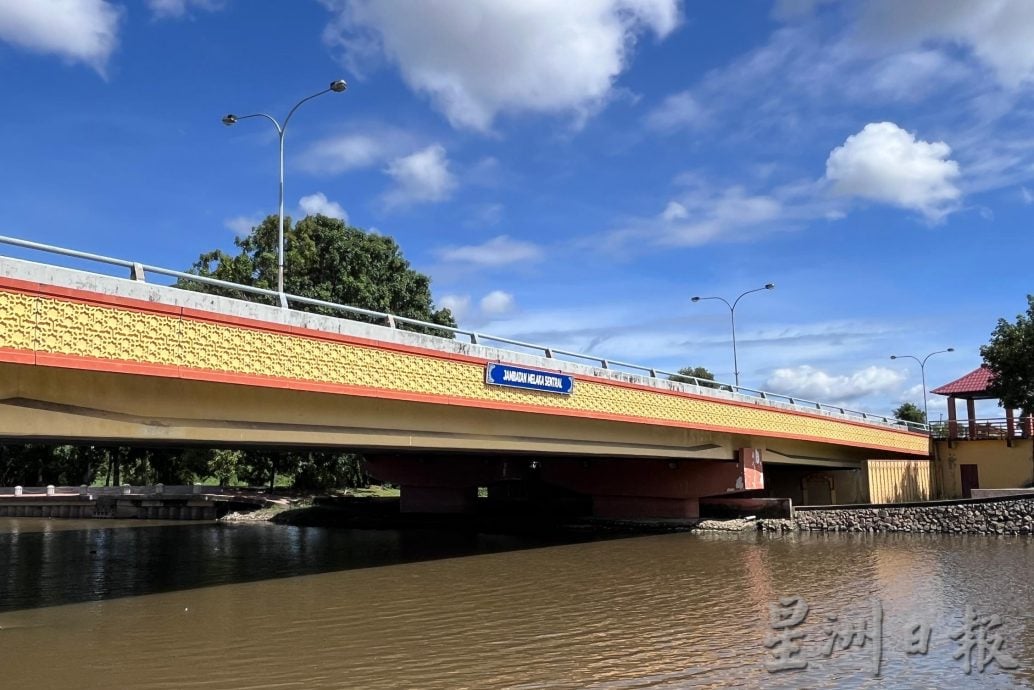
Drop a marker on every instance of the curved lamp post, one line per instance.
(922, 371)
(732, 317)
(337, 87)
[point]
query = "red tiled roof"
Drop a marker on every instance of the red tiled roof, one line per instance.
(973, 383)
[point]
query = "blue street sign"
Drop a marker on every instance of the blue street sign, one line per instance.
(530, 379)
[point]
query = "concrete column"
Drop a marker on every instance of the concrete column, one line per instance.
(638, 488)
(126, 489)
(1010, 424)
(437, 484)
(50, 489)
(953, 426)
(18, 491)
(971, 415)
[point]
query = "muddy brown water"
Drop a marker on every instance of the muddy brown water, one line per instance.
(100, 604)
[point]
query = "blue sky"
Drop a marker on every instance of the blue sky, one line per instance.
(570, 173)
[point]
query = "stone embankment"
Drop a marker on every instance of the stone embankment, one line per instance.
(978, 516)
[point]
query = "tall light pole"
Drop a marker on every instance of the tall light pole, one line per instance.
(922, 371)
(336, 86)
(732, 317)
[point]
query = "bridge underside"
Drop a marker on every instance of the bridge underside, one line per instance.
(439, 453)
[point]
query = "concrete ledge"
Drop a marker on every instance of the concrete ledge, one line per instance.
(1002, 493)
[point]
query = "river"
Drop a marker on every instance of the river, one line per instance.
(103, 604)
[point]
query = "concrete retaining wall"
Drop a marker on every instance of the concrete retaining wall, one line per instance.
(978, 516)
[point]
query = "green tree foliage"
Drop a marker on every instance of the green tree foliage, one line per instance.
(39, 465)
(1010, 357)
(326, 260)
(910, 412)
(694, 375)
(323, 469)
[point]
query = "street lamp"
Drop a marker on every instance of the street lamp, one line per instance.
(732, 316)
(336, 86)
(922, 370)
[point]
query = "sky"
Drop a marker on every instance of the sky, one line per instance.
(570, 173)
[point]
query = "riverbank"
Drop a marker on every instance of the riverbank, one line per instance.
(999, 515)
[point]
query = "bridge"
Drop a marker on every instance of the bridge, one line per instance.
(89, 357)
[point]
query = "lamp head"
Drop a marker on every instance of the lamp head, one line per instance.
(230, 119)
(338, 85)
(893, 356)
(770, 286)
(950, 349)
(695, 299)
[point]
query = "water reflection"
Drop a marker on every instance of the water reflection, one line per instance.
(47, 567)
(316, 608)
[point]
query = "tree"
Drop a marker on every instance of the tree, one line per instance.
(694, 375)
(1010, 357)
(910, 412)
(326, 260)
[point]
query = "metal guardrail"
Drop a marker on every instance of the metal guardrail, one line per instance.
(138, 272)
(983, 429)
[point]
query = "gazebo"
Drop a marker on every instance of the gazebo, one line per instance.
(972, 387)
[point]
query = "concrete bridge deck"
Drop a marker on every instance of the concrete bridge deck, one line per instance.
(86, 357)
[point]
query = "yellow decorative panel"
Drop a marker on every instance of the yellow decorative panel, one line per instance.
(72, 328)
(17, 320)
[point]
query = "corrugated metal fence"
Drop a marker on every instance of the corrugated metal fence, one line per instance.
(898, 481)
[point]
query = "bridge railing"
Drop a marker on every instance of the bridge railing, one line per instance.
(1000, 428)
(138, 272)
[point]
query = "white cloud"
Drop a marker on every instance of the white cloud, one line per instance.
(319, 204)
(996, 31)
(164, 9)
(497, 251)
(885, 163)
(420, 177)
(674, 211)
(478, 58)
(242, 225)
(485, 215)
(814, 384)
(79, 30)
(679, 110)
(496, 303)
(913, 394)
(350, 152)
(702, 216)
(910, 76)
(459, 305)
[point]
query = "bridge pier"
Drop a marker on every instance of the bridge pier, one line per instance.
(437, 483)
(620, 488)
(650, 488)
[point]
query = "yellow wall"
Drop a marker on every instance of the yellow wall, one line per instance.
(999, 466)
(898, 481)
